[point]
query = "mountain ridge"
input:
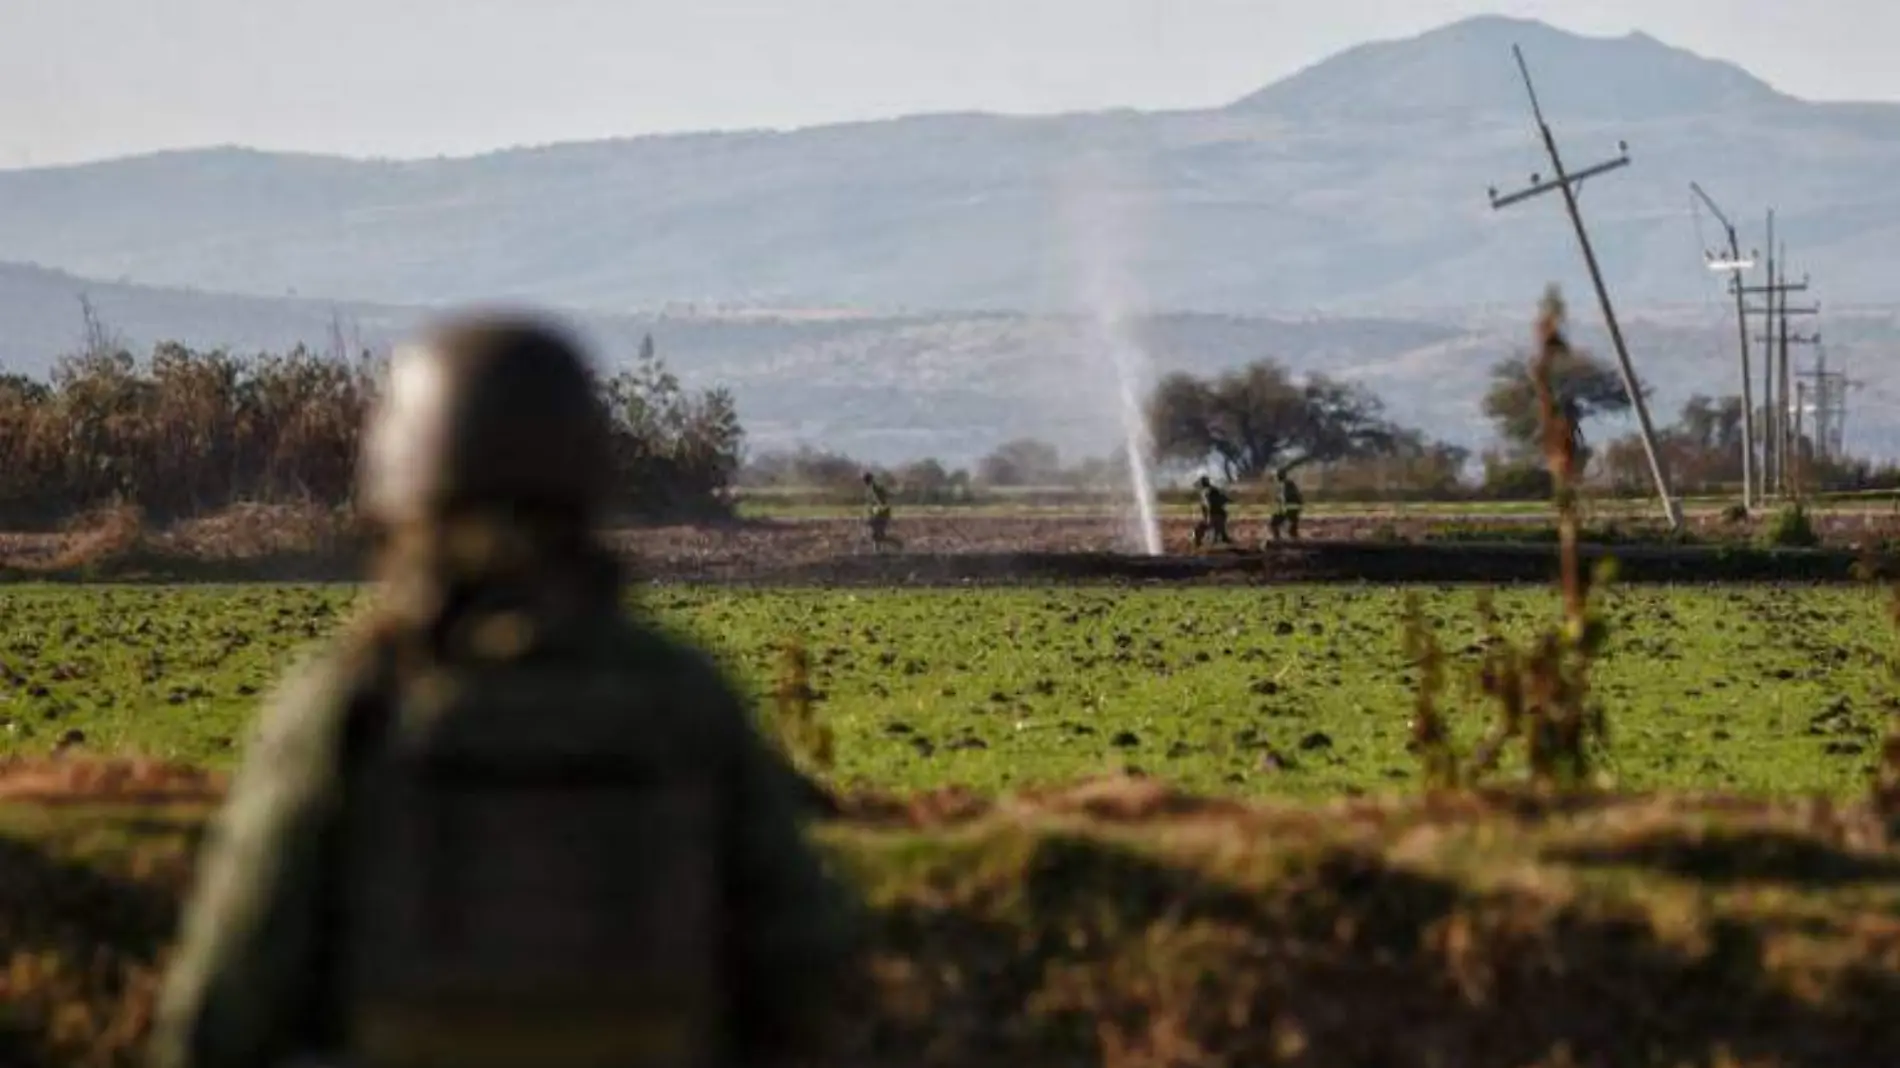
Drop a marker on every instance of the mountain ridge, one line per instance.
(1440, 65)
(955, 385)
(1324, 193)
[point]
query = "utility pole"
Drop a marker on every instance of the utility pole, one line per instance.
(1819, 374)
(1568, 184)
(1799, 465)
(1783, 382)
(1828, 394)
(1735, 264)
(1775, 388)
(1834, 386)
(1771, 432)
(1783, 340)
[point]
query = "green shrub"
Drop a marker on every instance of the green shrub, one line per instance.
(1792, 529)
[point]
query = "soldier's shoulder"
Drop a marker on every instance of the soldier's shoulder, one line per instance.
(644, 646)
(302, 711)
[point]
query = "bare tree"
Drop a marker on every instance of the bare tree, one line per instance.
(99, 338)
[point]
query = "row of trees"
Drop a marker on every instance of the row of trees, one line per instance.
(1251, 422)
(1022, 463)
(1246, 424)
(1702, 453)
(183, 431)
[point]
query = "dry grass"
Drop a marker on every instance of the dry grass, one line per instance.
(1122, 922)
(252, 531)
(801, 734)
(243, 541)
(181, 433)
(59, 781)
(100, 535)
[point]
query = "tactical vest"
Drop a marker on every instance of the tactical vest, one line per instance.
(523, 890)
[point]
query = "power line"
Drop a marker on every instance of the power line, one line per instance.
(1778, 442)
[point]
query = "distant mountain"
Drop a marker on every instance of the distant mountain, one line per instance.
(954, 385)
(1466, 69)
(1355, 186)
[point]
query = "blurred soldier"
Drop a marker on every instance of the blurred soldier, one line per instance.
(1288, 515)
(501, 822)
(1213, 514)
(877, 512)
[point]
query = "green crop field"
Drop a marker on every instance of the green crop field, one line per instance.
(1296, 691)
(1082, 925)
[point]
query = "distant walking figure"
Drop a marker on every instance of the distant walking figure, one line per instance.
(1288, 515)
(1213, 514)
(878, 513)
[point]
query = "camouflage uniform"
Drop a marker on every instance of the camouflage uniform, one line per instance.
(877, 505)
(501, 822)
(1288, 515)
(1213, 514)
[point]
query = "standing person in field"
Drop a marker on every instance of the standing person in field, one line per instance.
(501, 822)
(1288, 514)
(1213, 514)
(877, 504)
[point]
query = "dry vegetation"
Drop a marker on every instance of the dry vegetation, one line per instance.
(1119, 922)
(183, 433)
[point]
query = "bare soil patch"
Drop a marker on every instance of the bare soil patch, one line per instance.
(259, 543)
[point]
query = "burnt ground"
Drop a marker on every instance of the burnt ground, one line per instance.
(996, 550)
(991, 549)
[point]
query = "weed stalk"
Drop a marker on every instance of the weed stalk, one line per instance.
(805, 739)
(1541, 691)
(1887, 777)
(1431, 739)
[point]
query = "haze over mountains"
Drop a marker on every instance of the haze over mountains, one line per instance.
(1354, 188)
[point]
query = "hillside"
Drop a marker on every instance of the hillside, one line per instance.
(955, 384)
(1356, 186)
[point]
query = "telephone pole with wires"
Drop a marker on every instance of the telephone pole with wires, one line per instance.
(1776, 387)
(1790, 442)
(1569, 184)
(1735, 264)
(1779, 341)
(1827, 398)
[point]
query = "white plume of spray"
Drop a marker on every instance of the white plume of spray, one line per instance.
(1099, 244)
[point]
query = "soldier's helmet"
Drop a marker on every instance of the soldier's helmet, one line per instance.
(483, 414)
(867, 478)
(1204, 481)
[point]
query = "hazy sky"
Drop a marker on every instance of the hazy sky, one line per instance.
(83, 79)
